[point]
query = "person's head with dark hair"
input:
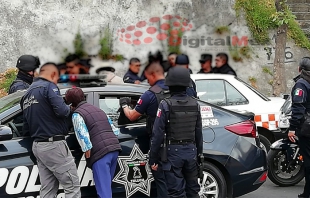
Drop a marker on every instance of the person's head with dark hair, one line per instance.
(62, 67)
(172, 57)
(74, 96)
(154, 72)
(182, 60)
(221, 59)
(50, 72)
(72, 64)
(134, 65)
(206, 62)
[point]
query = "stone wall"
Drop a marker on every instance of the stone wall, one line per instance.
(47, 28)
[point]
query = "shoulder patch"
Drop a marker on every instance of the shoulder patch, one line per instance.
(298, 92)
(158, 113)
(139, 101)
(55, 90)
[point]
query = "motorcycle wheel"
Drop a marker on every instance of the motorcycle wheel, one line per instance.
(279, 173)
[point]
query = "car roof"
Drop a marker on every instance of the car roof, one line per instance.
(122, 87)
(212, 76)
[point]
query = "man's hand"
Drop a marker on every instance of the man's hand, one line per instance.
(154, 167)
(291, 135)
(137, 82)
(87, 154)
(124, 101)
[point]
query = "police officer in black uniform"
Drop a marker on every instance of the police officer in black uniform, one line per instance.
(148, 104)
(179, 120)
(299, 121)
(44, 112)
(26, 64)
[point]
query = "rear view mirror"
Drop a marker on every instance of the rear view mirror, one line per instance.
(285, 96)
(5, 133)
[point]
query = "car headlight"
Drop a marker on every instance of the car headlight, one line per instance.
(284, 121)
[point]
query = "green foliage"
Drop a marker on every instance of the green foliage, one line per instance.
(222, 29)
(234, 53)
(261, 16)
(6, 80)
(266, 70)
(245, 51)
(253, 81)
(79, 45)
(106, 45)
(258, 16)
(119, 57)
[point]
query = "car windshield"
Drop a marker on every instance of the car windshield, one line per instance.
(10, 100)
(286, 107)
(254, 90)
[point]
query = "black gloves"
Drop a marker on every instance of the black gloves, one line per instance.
(124, 101)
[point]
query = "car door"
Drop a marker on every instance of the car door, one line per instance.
(132, 171)
(222, 93)
(18, 169)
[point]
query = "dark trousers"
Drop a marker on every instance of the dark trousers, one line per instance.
(160, 182)
(181, 171)
(304, 145)
(103, 173)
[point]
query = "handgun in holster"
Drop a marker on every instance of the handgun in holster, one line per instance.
(200, 166)
(163, 152)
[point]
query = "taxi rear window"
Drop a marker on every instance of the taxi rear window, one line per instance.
(10, 100)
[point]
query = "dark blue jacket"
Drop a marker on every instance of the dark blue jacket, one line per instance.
(191, 91)
(131, 77)
(300, 104)
(44, 110)
(159, 129)
(22, 81)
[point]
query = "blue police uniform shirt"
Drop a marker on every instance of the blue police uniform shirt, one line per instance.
(300, 103)
(18, 85)
(159, 129)
(44, 110)
(131, 77)
(148, 103)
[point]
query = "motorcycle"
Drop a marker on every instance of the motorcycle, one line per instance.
(285, 163)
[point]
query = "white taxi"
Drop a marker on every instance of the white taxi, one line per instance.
(232, 93)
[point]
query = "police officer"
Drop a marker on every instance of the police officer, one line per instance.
(222, 66)
(26, 64)
(300, 112)
(183, 60)
(131, 75)
(148, 104)
(206, 64)
(44, 112)
(179, 120)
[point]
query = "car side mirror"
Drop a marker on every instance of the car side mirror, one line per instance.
(5, 133)
(285, 96)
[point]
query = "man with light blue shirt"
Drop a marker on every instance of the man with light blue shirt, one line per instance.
(97, 140)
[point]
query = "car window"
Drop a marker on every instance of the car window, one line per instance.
(110, 105)
(234, 97)
(211, 91)
(10, 100)
(254, 90)
(16, 124)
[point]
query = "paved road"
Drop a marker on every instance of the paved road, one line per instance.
(270, 190)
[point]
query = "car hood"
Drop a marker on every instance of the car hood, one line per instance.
(277, 99)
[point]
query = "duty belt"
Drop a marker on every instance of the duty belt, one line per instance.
(53, 139)
(181, 142)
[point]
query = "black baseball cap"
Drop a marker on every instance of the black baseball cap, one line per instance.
(205, 57)
(182, 59)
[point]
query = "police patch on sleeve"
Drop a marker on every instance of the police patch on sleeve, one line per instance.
(139, 101)
(298, 92)
(158, 113)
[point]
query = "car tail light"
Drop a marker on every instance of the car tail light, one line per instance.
(262, 178)
(246, 128)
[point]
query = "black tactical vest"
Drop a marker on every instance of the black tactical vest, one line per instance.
(160, 94)
(183, 117)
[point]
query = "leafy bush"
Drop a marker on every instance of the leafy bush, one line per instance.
(6, 79)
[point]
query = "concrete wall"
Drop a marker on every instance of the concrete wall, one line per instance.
(46, 28)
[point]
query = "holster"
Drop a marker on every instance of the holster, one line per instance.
(200, 165)
(305, 127)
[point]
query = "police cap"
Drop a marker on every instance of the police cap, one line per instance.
(305, 63)
(178, 76)
(28, 63)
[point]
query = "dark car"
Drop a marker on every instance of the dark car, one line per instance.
(234, 162)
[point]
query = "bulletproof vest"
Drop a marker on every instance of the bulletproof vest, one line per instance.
(160, 94)
(21, 85)
(183, 116)
(101, 134)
